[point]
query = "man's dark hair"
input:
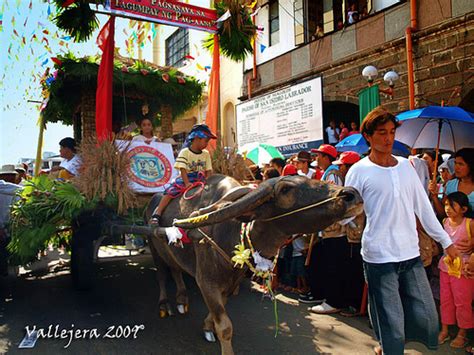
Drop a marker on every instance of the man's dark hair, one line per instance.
(278, 161)
(467, 154)
(271, 173)
(68, 142)
(378, 116)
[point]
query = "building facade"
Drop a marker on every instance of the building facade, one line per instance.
(336, 39)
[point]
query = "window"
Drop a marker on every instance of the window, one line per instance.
(382, 4)
(308, 20)
(298, 9)
(274, 23)
(177, 47)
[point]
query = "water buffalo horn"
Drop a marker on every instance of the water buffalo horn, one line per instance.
(231, 196)
(129, 229)
(236, 209)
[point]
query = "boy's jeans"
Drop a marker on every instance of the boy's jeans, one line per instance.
(401, 305)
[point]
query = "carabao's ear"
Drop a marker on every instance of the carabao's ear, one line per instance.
(229, 210)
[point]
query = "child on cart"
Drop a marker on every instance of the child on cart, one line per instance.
(194, 165)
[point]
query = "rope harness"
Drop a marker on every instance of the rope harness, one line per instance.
(178, 189)
(301, 209)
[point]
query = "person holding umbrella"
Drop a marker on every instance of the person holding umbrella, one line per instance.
(400, 299)
(464, 181)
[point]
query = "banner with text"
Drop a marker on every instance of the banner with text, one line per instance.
(151, 165)
(166, 12)
(290, 119)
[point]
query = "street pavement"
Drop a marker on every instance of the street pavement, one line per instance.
(126, 294)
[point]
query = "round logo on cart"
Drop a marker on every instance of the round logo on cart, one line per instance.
(149, 167)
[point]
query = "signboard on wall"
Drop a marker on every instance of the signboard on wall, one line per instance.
(290, 119)
(151, 165)
(166, 12)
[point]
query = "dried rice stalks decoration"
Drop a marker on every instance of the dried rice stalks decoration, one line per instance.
(230, 163)
(104, 174)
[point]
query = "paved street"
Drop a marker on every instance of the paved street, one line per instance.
(126, 294)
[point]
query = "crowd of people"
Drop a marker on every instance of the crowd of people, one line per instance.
(410, 219)
(336, 133)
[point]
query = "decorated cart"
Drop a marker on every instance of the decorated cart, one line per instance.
(117, 177)
(99, 96)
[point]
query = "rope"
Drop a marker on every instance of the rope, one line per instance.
(301, 209)
(198, 191)
(215, 246)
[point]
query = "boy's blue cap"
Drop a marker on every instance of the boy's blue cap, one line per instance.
(203, 128)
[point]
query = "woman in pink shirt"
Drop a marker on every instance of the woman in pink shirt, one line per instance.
(344, 131)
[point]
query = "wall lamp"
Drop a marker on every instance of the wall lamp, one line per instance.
(370, 73)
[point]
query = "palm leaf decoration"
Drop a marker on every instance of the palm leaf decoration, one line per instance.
(43, 210)
(236, 35)
(77, 20)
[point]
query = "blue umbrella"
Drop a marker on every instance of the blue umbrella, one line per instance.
(358, 144)
(437, 127)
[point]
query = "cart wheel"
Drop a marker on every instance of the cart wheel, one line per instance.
(82, 264)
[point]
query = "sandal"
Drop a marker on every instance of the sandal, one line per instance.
(461, 343)
(350, 312)
(442, 340)
(378, 350)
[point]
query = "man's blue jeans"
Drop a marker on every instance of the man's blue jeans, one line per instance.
(401, 305)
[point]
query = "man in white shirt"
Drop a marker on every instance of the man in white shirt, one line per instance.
(72, 162)
(400, 299)
(333, 133)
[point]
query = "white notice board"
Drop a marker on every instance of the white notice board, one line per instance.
(290, 119)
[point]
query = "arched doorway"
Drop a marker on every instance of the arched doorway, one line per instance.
(339, 111)
(228, 127)
(467, 102)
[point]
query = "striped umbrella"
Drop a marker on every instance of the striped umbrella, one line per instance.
(260, 153)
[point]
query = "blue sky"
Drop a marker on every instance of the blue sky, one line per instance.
(27, 34)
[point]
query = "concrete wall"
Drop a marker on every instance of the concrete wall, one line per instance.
(230, 90)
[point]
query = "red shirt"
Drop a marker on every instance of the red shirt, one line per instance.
(344, 134)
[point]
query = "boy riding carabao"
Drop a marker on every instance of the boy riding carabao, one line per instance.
(194, 165)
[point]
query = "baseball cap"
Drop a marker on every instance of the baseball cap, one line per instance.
(448, 165)
(347, 158)
(289, 169)
(326, 149)
(203, 128)
(303, 156)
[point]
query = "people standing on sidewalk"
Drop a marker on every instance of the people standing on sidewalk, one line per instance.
(464, 181)
(341, 277)
(455, 289)
(400, 299)
(325, 155)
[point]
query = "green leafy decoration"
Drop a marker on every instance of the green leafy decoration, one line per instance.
(78, 75)
(77, 20)
(236, 34)
(43, 211)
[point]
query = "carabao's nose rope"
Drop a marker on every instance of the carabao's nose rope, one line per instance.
(301, 209)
